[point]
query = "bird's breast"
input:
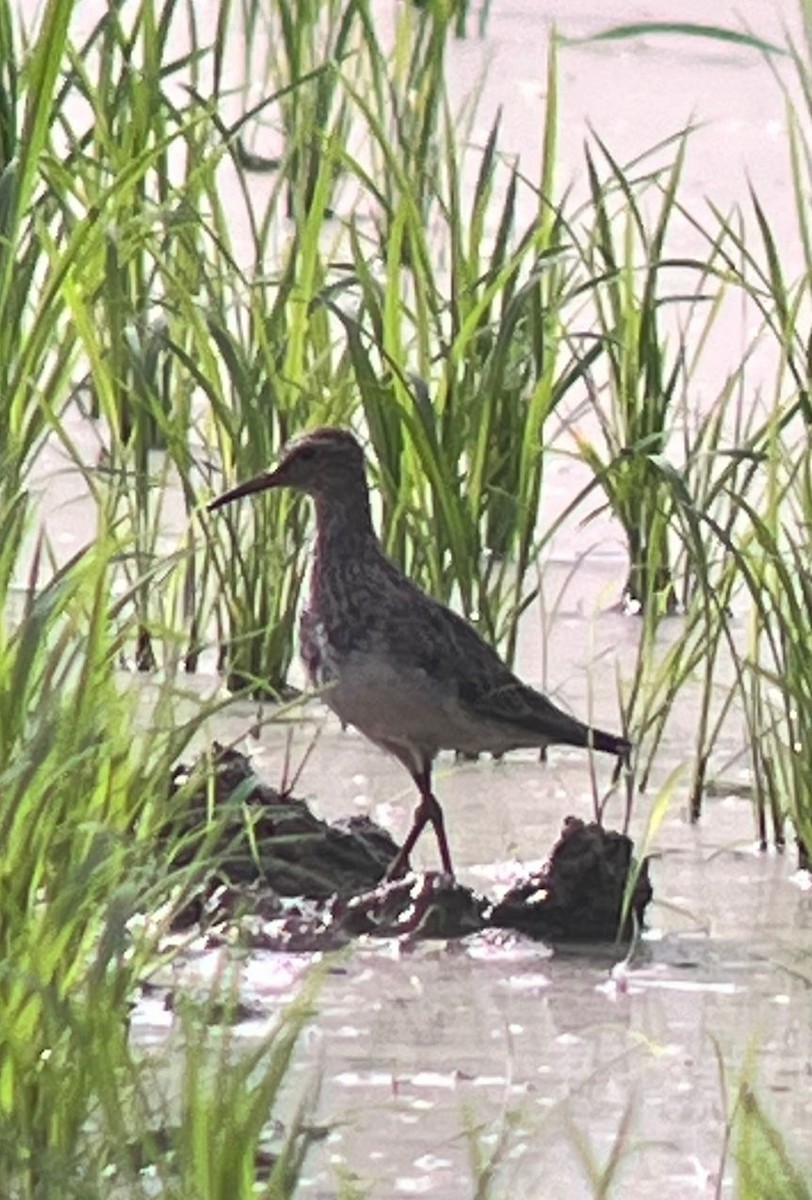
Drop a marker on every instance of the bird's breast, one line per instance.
(318, 655)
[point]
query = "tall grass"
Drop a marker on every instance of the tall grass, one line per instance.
(626, 260)
(340, 251)
(83, 793)
(36, 340)
(99, 262)
(765, 483)
(376, 286)
(383, 282)
(459, 365)
(415, 313)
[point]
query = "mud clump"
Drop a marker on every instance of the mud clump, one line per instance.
(430, 905)
(578, 894)
(254, 834)
(290, 881)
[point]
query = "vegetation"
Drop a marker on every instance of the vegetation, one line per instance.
(193, 269)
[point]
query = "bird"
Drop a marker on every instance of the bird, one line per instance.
(404, 669)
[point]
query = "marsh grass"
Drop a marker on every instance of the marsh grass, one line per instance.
(631, 211)
(456, 347)
(119, 277)
(765, 484)
(775, 664)
(36, 342)
(417, 314)
(99, 257)
(83, 794)
(424, 316)
(342, 251)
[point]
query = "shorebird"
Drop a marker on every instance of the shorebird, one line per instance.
(402, 668)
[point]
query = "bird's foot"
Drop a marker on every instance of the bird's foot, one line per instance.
(399, 870)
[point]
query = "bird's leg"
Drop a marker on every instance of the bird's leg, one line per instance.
(428, 810)
(400, 863)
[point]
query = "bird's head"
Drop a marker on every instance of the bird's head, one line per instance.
(322, 462)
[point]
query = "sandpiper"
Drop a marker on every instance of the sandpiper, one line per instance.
(402, 668)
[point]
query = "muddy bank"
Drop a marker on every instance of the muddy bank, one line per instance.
(293, 882)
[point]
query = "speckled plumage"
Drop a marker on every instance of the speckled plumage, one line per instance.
(402, 668)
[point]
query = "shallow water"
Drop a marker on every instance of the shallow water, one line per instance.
(417, 1046)
(415, 1043)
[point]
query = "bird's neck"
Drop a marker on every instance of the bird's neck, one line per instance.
(344, 530)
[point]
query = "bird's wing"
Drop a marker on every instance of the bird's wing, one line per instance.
(522, 708)
(432, 638)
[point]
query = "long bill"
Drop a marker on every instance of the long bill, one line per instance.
(259, 483)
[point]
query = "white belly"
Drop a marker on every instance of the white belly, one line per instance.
(409, 709)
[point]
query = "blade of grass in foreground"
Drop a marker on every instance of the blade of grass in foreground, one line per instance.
(84, 788)
(697, 29)
(764, 1164)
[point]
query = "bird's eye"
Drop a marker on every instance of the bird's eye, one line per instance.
(306, 452)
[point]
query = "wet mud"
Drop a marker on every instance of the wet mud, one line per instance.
(293, 882)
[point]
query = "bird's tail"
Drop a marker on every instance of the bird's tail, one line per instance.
(609, 743)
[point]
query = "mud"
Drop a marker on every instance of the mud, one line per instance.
(269, 849)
